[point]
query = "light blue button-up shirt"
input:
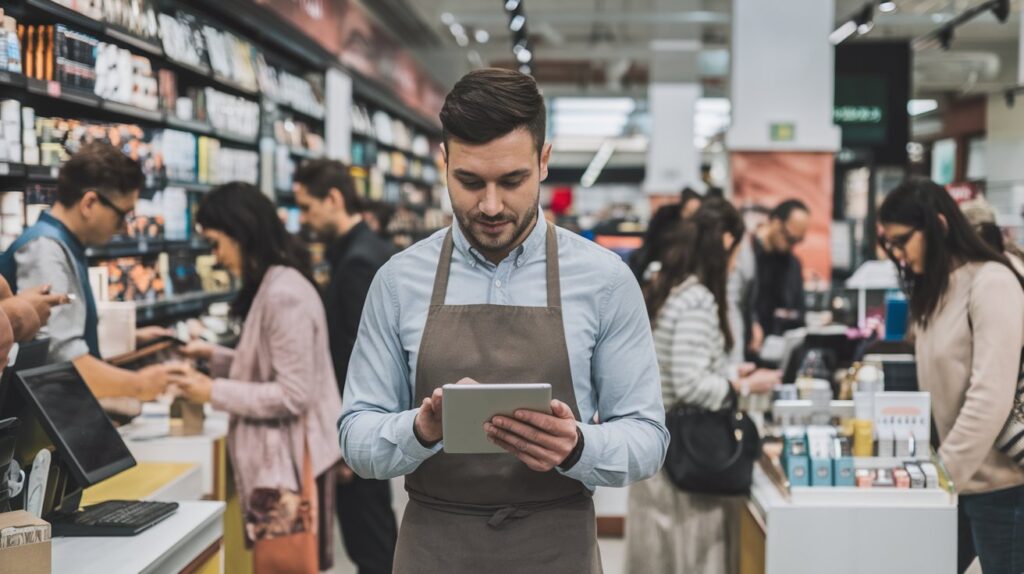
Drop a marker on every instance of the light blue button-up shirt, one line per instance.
(611, 353)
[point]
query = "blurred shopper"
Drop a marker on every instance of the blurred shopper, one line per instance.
(778, 303)
(329, 204)
(663, 220)
(741, 293)
(669, 530)
(96, 193)
(967, 307)
(278, 385)
(982, 217)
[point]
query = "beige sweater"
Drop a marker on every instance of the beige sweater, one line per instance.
(972, 395)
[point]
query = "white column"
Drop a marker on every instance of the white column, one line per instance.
(338, 124)
(783, 70)
(673, 161)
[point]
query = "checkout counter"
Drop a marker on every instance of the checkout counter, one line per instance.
(149, 459)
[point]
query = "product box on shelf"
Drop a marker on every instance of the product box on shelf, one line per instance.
(183, 39)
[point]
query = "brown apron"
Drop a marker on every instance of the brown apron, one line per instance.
(490, 512)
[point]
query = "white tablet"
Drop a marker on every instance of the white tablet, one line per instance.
(467, 407)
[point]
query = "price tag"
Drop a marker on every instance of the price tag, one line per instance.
(53, 89)
(5, 169)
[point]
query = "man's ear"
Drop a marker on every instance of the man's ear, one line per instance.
(336, 197)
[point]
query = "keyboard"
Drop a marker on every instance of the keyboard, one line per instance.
(112, 518)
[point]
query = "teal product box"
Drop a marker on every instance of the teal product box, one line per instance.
(843, 473)
(821, 472)
(795, 461)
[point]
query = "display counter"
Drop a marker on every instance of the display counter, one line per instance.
(846, 530)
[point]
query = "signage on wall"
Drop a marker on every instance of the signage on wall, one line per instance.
(963, 192)
(860, 108)
(783, 132)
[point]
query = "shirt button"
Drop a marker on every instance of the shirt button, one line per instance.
(498, 283)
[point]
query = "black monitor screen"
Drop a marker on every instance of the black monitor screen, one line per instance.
(85, 438)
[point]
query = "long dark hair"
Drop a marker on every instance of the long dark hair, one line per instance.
(918, 203)
(695, 248)
(244, 214)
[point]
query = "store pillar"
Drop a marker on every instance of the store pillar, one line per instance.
(673, 160)
(782, 140)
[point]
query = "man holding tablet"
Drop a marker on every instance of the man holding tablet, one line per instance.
(500, 298)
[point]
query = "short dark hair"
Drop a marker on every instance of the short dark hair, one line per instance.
(101, 167)
(319, 176)
(784, 210)
(688, 194)
(491, 103)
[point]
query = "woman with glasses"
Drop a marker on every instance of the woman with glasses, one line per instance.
(278, 384)
(967, 311)
(670, 530)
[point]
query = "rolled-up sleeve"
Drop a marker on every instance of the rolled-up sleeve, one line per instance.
(44, 262)
(630, 441)
(376, 425)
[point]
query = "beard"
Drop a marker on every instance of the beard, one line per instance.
(477, 228)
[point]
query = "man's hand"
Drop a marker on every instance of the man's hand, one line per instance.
(42, 301)
(540, 440)
(197, 350)
(152, 381)
(427, 425)
(147, 334)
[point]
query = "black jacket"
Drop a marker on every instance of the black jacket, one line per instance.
(779, 287)
(355, 259)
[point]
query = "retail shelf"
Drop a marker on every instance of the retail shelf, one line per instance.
(12, 79)
(233, 85)
(190, 186)
(235, 138)
(80, 21)
(42, 173)
(143, 247)
(178, 306)
(296, 111)
(186, 66)
(202, 128)
(392, 147)
(304, 153)
(147, 46)
(11, 169)
(152, 116)
(55, 90)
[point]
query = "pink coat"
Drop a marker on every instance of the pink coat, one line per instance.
(280, 372)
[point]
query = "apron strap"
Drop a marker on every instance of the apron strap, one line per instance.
(444, 266)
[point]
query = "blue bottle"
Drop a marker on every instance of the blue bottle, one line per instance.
(896, 313)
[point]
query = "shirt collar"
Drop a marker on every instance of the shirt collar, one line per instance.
(533, 244)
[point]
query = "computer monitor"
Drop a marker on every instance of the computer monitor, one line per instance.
(86, 440)
(29, 355)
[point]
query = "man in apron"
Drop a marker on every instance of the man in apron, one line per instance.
(503, 297)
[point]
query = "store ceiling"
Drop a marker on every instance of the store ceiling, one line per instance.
(604, 47)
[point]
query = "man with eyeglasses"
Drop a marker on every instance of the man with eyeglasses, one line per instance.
(96, 193)
(778, 295)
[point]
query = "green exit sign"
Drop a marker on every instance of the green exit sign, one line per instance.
(783, 132)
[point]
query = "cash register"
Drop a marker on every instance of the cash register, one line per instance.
(69, 444)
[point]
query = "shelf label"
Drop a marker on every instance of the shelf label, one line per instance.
(53, 89)
(5, 168)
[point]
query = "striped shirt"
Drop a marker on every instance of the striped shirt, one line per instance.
(690, 347)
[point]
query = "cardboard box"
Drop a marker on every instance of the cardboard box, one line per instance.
(29, 558)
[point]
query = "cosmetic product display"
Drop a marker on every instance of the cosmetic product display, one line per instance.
(136, 17)
(232, 114)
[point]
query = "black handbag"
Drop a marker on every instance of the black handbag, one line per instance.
(711, 452)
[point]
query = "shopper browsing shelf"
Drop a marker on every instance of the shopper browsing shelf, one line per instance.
(967, 308)
(778, 303)
(329, 205)
(503, 297)
(669, 530)
(96, 194)
(278, 384)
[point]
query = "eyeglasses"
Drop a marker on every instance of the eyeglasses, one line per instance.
(122, 215)
(897, 242)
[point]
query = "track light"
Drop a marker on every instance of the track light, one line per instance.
(946, 37)
(886, 6)
(517, 22)
(840, 34)
(525, 56)
(860, 23)
(1001, 10)
(511, 5)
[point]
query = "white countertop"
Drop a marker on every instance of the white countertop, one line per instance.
(167, 547)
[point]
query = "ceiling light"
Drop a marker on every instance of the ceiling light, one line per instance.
(481, 36)
(525, 69)
(511, 5)
(517, 23)
(865, 28)
(840, 34)
(456, 29)
(524, 56)
(865, 20)
(886, 6)
(462, 40)
(597, 164)
(447, 19)
(1001, 10)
